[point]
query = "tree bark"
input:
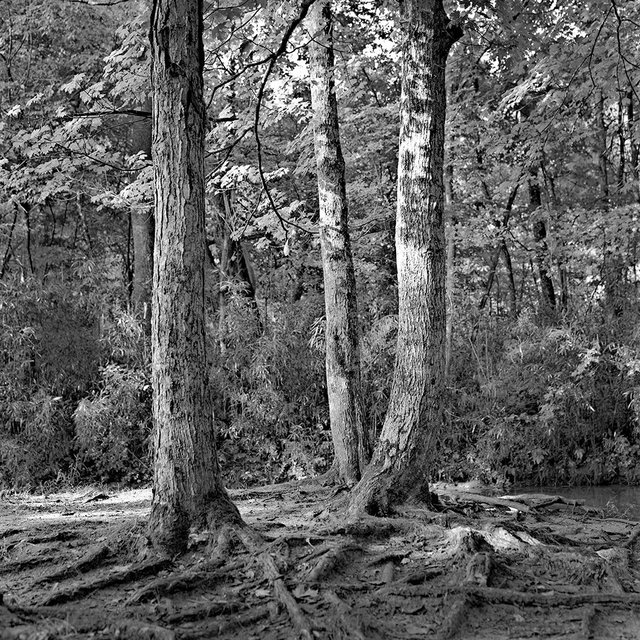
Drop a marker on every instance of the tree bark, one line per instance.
(547, 291)
(450, 284)
(341, 333)
(399, 468)
(187, 489)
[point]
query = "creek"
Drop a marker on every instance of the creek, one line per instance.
(614, 500)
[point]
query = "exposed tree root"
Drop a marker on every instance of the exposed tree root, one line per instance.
(388, 572)
(478, 572)
(216, 628)
(454, 620)
(88, 561)
(255, 545)
(586, 623)
(140, 630)
(208, 574)
(330, 560)
(114, 577)
(349, 624)
(41, 629)
(59, 536)
(34, 561)
(423, 575)
(632, 538)
(204, 610)
(507, 596)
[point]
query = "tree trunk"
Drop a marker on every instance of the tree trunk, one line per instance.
(513, 303)
(547, 292)
(142, 231)
(187, 489)
(341, 332)
(450, 284)
(399, 469)
(501, 248)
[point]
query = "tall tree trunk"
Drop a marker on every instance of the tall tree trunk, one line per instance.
(547, 291)
(511, 281)
(614, 267)
(633, 144)
(601, 133)
(450, 284)
(341, 334)
(142, 231)
(399, 468)
(187, 487)
(501, 248)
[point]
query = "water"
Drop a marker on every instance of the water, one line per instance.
(614, 500)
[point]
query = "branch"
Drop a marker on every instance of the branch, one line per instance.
(304, 9)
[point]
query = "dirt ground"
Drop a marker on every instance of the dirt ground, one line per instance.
(76, 565)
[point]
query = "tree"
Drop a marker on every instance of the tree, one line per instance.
(399, 467)
(142, 230)
(342, 350)
(187, 488)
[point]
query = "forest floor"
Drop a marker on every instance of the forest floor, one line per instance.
(76, 565)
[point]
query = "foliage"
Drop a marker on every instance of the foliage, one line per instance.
(541, 94)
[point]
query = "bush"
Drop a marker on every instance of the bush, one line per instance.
(113, 429)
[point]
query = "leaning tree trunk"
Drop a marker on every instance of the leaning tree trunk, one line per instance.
(187, 487)
(400, 465)
(341, 333)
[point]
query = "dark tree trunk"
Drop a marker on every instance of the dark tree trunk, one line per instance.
(341, 333)
(142, 232)
(501, 248)
(399, 469)
(450, 285)
(187, 488)
(547, 292)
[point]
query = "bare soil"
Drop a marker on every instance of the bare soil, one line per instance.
(77, 565)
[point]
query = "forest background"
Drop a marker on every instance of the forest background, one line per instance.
(542, 191)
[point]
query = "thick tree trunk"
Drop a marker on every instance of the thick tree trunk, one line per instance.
(187, 489)
(399, 469)
(341, 333)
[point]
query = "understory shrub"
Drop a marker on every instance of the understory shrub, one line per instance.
(547, 405)
(113, 428)
(270, 393)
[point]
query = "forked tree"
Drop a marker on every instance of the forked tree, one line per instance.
(342, 351)
(187, 487)
(401, 461)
